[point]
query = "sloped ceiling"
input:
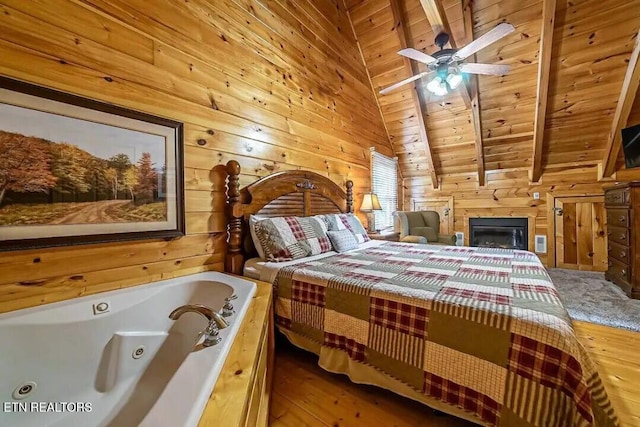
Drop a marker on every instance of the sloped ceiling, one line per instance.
(590, 51)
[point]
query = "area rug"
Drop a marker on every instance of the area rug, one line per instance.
(587, 296)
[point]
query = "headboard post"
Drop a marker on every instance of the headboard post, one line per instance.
(349, 196)
(234, 259)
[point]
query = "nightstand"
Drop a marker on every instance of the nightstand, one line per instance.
(393, 236)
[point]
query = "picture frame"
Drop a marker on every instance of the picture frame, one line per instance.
(77, 171)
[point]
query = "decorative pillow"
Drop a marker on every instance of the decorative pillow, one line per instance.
(348, 222)
(342, 240)
(253, 220)
(289, 237)
(324, 219)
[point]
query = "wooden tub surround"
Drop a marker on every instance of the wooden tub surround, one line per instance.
(242, 393)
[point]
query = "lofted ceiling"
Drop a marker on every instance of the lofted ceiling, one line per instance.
(570, 57)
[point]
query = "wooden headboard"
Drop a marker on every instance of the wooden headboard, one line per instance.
(287, 193)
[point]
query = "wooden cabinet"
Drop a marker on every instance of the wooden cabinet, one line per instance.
(258, 401)
(623, 235)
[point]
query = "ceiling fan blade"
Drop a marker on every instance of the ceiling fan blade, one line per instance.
(417, 55)
(488, 69)
(394, 86)
(485, 40)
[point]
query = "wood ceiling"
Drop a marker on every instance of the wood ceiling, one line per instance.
(561, 106)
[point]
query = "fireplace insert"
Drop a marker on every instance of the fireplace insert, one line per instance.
(508, 233)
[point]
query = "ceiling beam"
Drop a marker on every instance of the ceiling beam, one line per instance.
(620, 118)
(472, 89)
(437, 19)
(439, 23)
(469, 91)
(544, 66)
(416, 94)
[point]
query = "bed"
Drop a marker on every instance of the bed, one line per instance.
(479, 333)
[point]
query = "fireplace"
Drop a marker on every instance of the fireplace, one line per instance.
(509, 233)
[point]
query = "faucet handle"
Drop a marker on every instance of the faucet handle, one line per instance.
(211, 335)
(227, 309)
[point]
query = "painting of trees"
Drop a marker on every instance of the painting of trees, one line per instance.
(97, 177)
(130, 180)
(111, 175)
(24, 165)
(147, 179)
(65, 173)
(69, 166)
(76, 170)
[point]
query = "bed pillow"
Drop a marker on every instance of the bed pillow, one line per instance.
(348, 222)
(342, 240)
(288, 238)
(253, 220)
(324, 219)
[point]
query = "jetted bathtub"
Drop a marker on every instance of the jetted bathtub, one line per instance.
(115, 359)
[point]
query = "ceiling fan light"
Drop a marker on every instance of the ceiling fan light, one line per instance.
(454, 80)
(442, 90)
(434, 85)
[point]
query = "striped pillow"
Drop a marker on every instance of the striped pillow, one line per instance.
(287, 238)
(349, 222)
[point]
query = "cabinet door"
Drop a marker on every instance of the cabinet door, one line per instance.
(580, 233)
(442, 205)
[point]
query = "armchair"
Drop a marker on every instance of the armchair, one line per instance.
(421, 227)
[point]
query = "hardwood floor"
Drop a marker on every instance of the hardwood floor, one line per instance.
(616, 352)
(306, 395)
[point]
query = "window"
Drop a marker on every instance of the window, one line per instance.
(384, 183)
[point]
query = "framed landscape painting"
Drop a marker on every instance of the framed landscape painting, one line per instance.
(76, 171)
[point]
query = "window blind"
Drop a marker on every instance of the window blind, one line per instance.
(384, 183)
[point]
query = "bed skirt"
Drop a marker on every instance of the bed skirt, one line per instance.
(338, 362)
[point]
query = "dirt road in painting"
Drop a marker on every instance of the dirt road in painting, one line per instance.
(95, 213)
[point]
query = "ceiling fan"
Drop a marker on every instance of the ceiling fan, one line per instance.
(448, 65)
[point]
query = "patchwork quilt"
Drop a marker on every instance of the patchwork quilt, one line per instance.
(481, 329)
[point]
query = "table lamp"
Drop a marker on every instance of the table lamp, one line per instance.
(370, 203)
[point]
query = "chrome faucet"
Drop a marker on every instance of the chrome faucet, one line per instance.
(216, 321)
(227, 309)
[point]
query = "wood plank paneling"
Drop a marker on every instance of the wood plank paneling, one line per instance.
(271, 84)
(623, 110)
(585, 62)
(584, 229)
(580, 241)
(509, 193)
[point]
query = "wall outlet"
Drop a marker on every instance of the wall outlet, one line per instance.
(459, 238)
(536, 196)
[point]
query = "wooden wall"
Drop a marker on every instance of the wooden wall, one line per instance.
(592, 44)
(274, 84)
(510, 194)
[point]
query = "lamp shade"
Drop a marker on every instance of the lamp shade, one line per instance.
(434, 85)
(438, 86)
(454, 80)
(370, 203)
